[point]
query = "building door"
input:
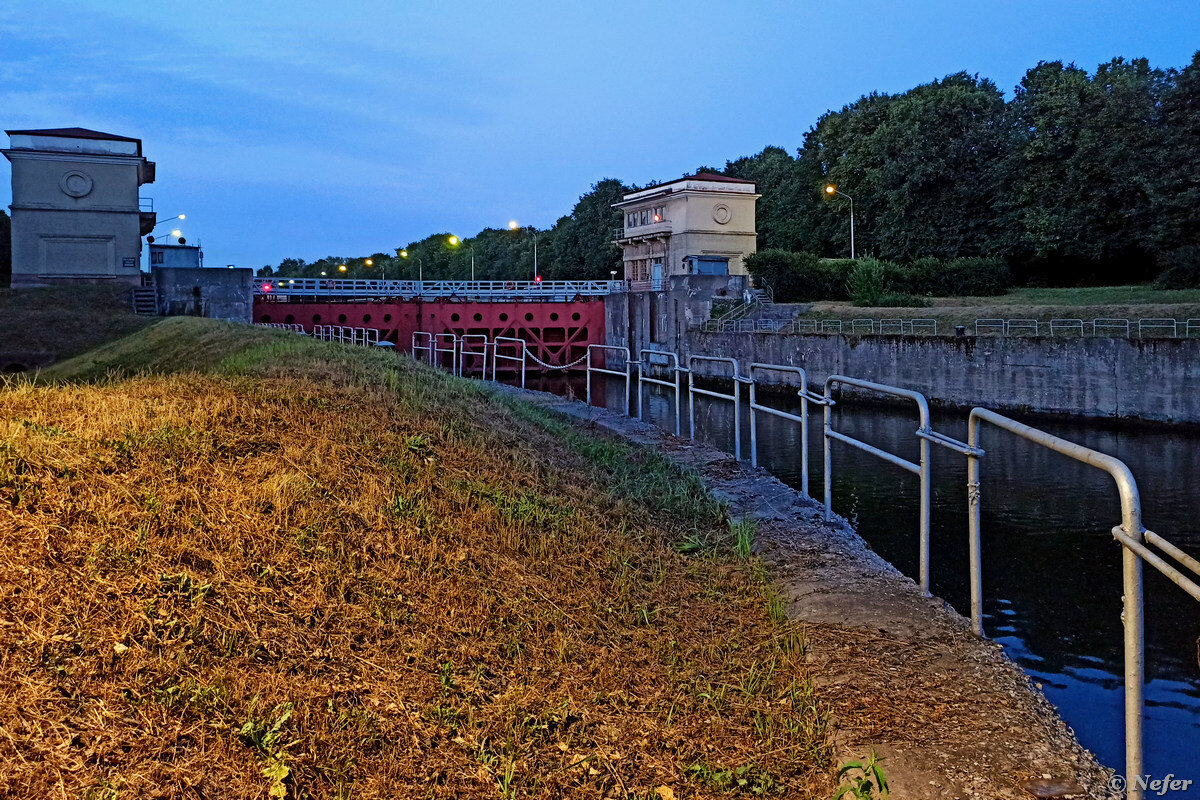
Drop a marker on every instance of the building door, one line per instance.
(656, 274)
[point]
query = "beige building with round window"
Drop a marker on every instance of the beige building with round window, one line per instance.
(76, 215)
(699, 225)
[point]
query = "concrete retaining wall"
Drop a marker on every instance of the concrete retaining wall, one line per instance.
(1150, 379)
(216, 293)
(1155, 379)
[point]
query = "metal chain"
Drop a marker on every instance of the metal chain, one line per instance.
(579, 360)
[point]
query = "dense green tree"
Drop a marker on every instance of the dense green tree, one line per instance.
(1085, 168)
(1176, 194)
(776, 177)
(1077, 178)
(940, 154)
(833, 152)
(582, 244)
(925, 168)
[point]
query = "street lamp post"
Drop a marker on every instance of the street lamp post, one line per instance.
(420, 265)
(514, 226)
(454, 241)
(832, 190)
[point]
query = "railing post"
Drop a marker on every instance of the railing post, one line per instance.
(1135, 667)
(827, 472)
(737, 413)
(628, 384)
(974, 512)
(753, 423)
(678, 423)
(691, 404)
(925, 497)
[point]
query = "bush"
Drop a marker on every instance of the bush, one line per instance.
(801, 276)
(1180, 269)
(794, 277)
(866, 284)
(975, 276)
(901, 300)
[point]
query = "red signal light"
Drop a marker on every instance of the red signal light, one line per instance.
(266, 287)
(538, 279)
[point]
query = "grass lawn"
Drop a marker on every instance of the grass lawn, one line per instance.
(1083, 296)
(54, 323)
(269, 566)
(1088, 303)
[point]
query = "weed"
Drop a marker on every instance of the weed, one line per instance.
(103, 790)
(446, 677)
(743, 537)
(183, 585)
(870, 778)
(264, 734)
(748, 778)
(776, 607)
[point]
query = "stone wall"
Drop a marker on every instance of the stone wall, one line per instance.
(215, 293)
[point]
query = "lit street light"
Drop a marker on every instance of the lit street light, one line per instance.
(420, 264)
(341, 267)
(833, 190)
(454, 241)
(514, 226)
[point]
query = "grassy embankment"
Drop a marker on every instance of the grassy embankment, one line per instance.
(306, 570)
(41, 326)
(1087, 303)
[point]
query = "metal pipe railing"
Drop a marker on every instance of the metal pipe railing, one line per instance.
(672, 362)
(924, 433)
(463, 352)
(1138, 544)
(427, 346)
(735, 396)
(439, 339)
(626, 373)
(497, 356)
(806, 397)
(1134, 540)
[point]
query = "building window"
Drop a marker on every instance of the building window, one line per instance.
(660, 213)
(156, 257)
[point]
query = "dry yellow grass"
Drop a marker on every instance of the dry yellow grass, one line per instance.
(328, 573)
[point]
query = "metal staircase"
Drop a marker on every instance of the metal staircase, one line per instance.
(145, 301)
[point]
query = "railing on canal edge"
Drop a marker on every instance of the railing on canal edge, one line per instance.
(1135, 540)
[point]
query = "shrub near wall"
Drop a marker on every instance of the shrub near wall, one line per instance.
(798, 277)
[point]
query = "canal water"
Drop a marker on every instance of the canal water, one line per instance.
(1051, 570)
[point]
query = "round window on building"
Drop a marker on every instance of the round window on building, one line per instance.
(76, 183)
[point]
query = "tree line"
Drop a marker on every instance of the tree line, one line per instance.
(1078, 178)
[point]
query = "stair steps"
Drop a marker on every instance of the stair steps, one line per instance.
(145, 301)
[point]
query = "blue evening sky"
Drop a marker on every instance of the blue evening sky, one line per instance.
(292, 128)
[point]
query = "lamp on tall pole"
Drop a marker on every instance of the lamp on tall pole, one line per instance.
(831, 189)
(420, 265)
(454, 241)
(513, 225)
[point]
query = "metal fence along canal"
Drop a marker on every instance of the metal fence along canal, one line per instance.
(1139, 546)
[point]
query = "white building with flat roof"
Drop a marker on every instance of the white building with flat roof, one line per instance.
(699, 225)
(76, 215)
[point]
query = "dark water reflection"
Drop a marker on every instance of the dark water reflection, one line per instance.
(1052, 572)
